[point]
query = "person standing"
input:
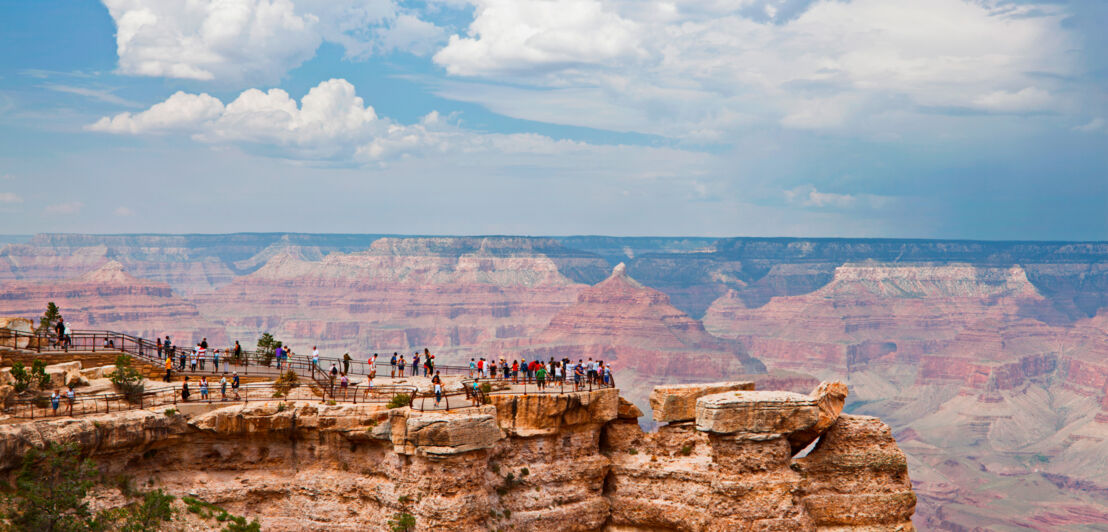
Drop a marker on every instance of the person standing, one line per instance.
(392, 365)
(158, 345)
(168, 367)
(215, 361)
(238, 353)
(400, 365)
(201, 354)
(346, 362)
(472, 367)
(223, 387)
(203, 388)
(55, 398)
(415, 364)
(540, 376)
(68, 337)
(59, 331)
(315, 356)
(277, 353)
(70, 398)
(235, 384)
(185, 390)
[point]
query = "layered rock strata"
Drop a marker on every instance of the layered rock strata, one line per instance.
(574, 462)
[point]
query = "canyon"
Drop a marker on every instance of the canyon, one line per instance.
(986, 359)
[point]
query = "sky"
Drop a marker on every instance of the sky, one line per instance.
(971, 119)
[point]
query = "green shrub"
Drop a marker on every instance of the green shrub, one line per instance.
(633, 452)
(50, 489)
(402, 522)
(170, 412)
(21, 376)
(686, 450)
(127, 379)
(281, 407)
(38, 374)
(400, 400)
(485, 387)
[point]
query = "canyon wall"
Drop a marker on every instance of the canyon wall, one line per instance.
(576, 462)
(987, 359)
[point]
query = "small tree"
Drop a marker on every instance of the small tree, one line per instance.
(267, 345)
(48, 319)
(50, 490)
(21, 376)
(127, 379)
(38, 374)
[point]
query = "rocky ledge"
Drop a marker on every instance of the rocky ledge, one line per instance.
(536, 462)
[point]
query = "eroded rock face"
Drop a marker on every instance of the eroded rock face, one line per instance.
(829, 398)
(756, 414)
(675, 403)
(541, 415)
(540, 463)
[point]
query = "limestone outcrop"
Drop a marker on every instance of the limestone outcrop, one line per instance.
(577, 462)
(673, 403)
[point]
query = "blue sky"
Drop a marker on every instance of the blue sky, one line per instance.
(983, 119)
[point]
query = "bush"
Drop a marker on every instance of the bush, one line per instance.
(281, 407)
(686, 450)
(170, 412)
(400, 400)
(402, 522)
(38, 374)
(267, 347)
(50, 490)
(21, 376)
(127, 379)
(485, 387)
(287, 381)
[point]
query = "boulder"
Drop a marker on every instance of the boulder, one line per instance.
(829, 398)
(100, 372)
(9, 339)
(74, 378)
(756, 415)
(628, 410)
(59, 373)
(6, 392)
(678, 402)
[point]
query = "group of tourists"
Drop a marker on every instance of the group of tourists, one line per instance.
(63, 334)
(197, 358)
(397, 364)
(592, 372)
(186, 391)
(56, 399)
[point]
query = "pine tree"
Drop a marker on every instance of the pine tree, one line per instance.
(49, 318)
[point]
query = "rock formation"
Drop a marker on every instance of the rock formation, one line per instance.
(530, 462)
(109, 298)
(634, 329)
(446, 293)
(971, 365)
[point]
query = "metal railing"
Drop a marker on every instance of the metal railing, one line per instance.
(248, 363)
(86, 404)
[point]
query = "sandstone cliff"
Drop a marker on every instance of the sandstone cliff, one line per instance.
(577, 462)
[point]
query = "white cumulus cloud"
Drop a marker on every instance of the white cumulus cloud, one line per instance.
(10, 197)
(256, 41)
(703, 68)
(330, 123)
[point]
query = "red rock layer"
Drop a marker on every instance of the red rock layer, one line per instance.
(111, 299)
(992, 387)
(644, 338)
(400, 293)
